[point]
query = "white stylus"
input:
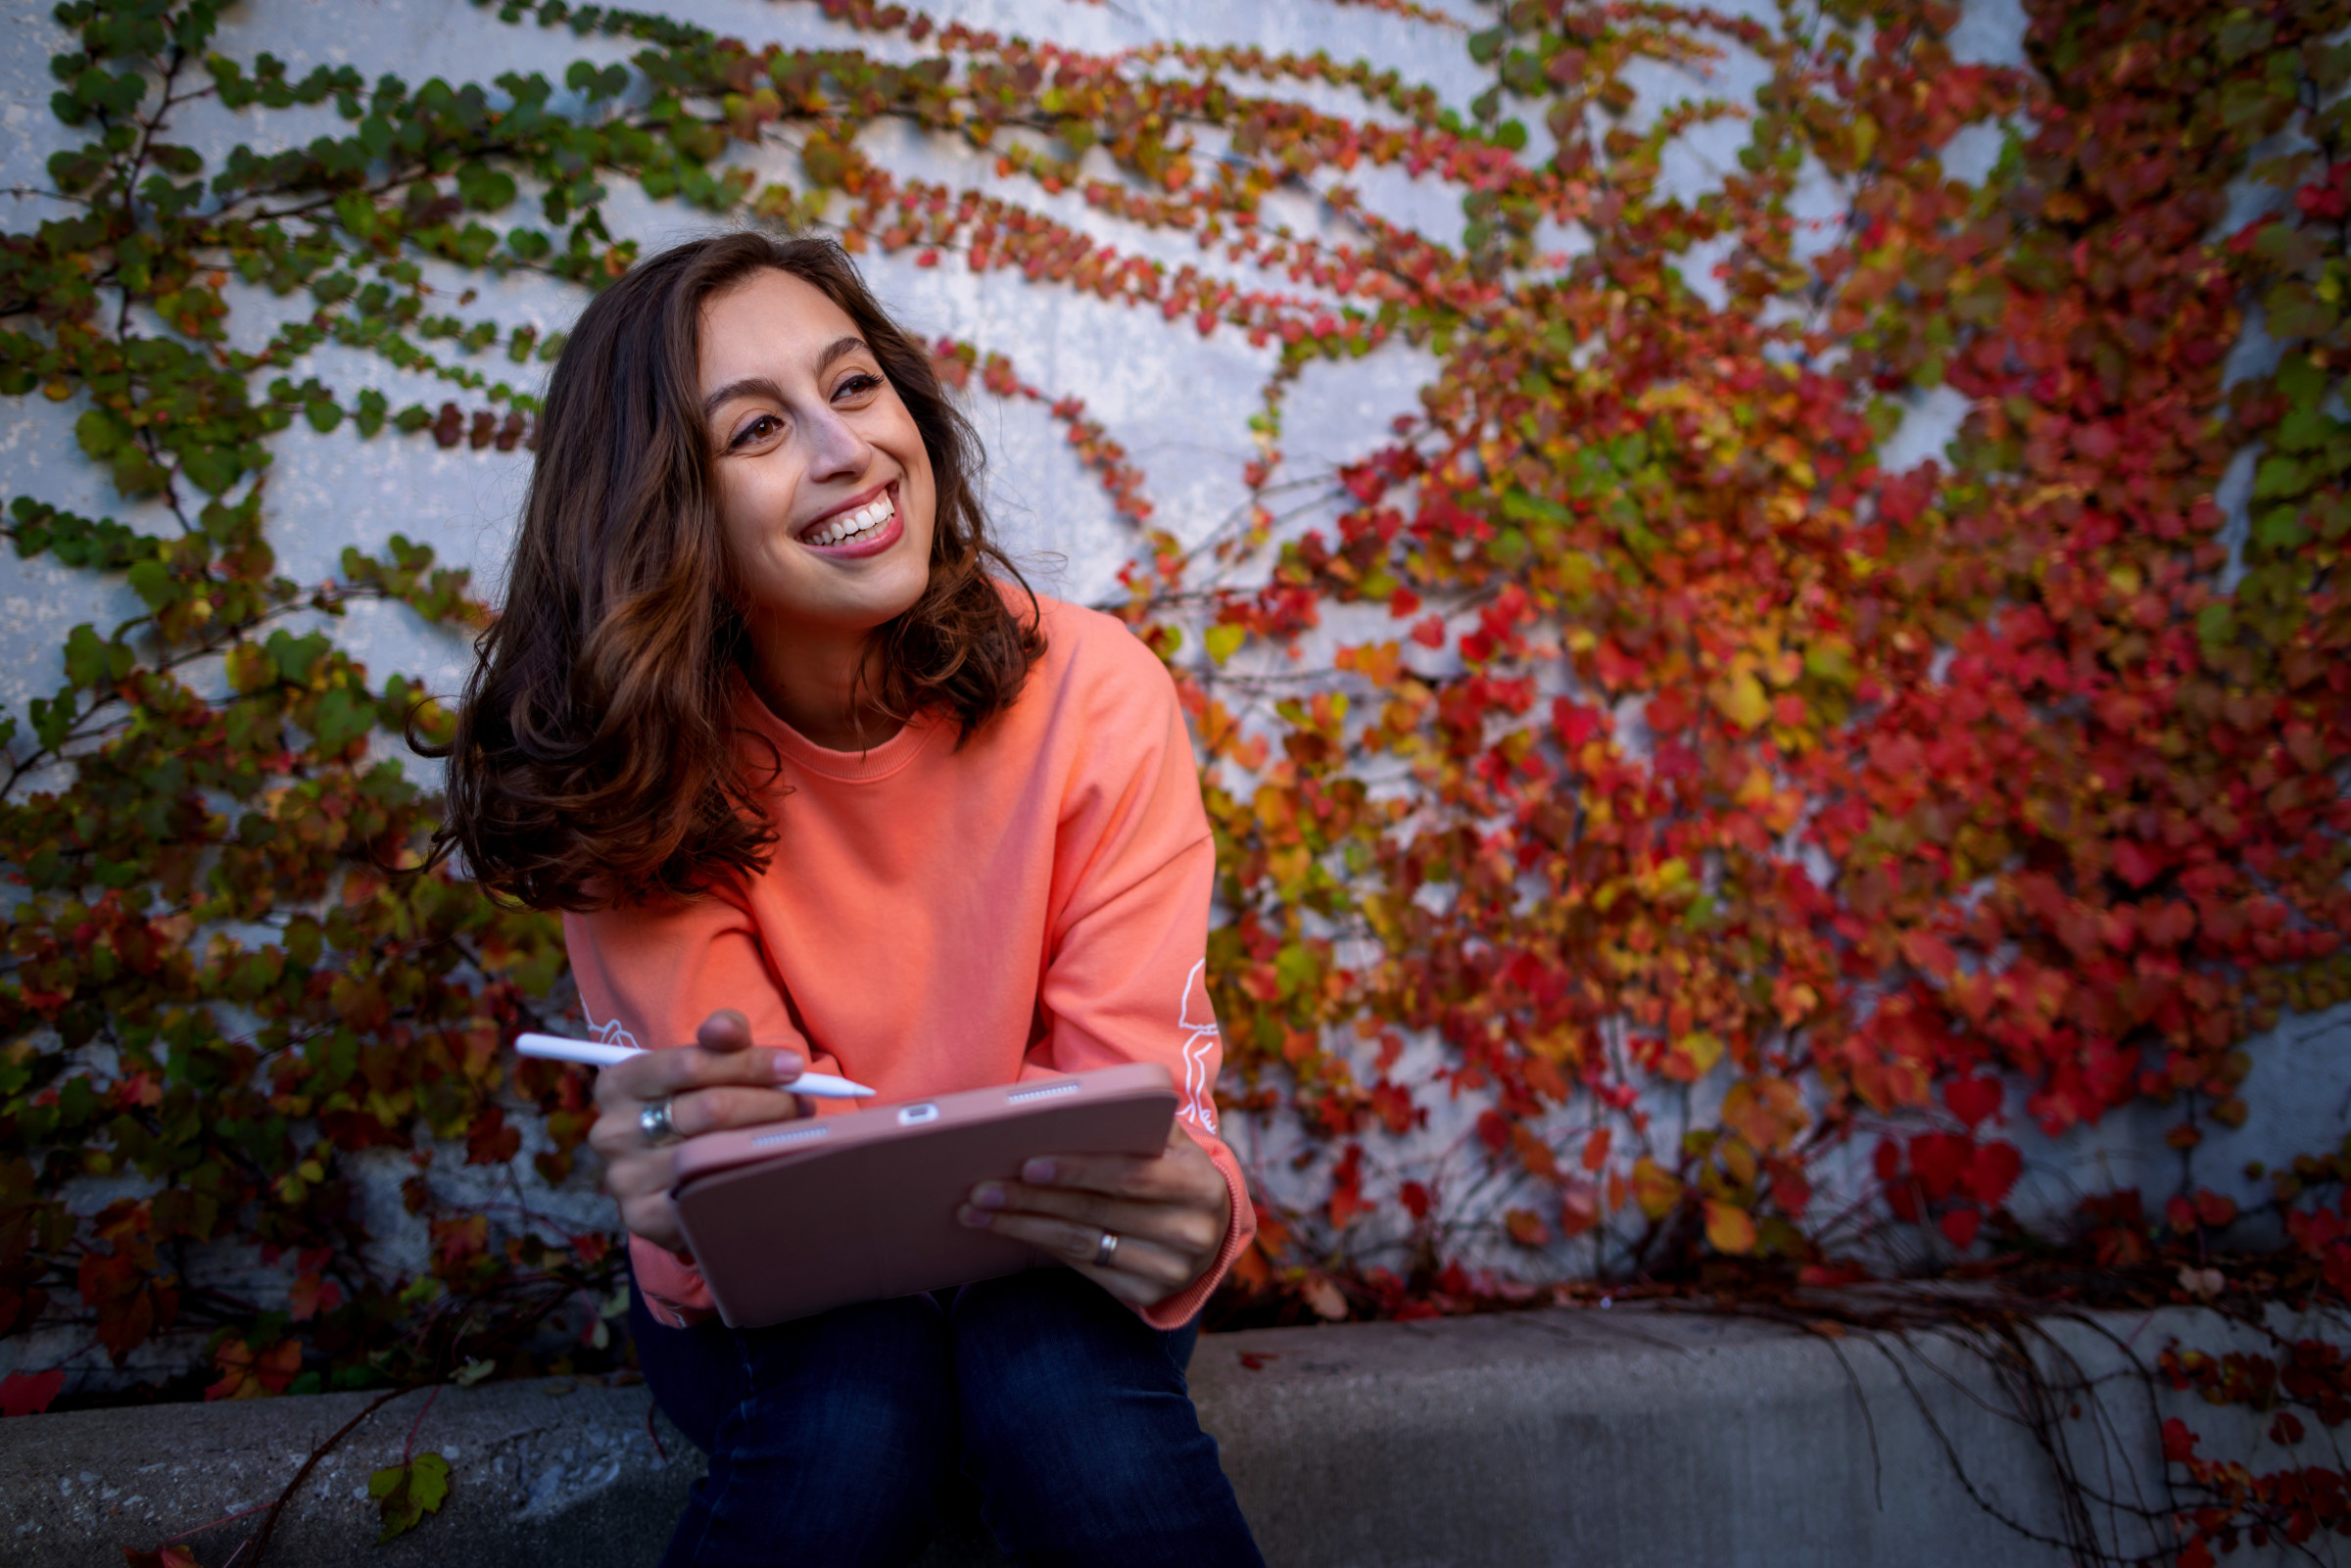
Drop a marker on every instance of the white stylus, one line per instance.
(597, 1054)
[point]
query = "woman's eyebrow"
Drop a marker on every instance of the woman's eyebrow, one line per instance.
(838, 348)
(763, 387)
(742, 387)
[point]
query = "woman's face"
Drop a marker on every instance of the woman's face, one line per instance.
(824, 485)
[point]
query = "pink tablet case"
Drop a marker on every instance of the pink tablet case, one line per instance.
(799, 1217)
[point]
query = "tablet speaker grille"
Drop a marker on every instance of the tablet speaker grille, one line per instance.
(769, 1140)
(1046, 1092)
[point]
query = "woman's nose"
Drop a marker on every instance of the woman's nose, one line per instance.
(836, 450)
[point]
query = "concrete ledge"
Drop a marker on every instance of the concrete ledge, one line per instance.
(1600, 1439)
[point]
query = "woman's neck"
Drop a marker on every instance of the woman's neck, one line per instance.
(811, 683)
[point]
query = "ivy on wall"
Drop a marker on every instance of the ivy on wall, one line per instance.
(1625, 733)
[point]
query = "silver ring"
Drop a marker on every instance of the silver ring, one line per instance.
(1105, 1247)
(654, 1121)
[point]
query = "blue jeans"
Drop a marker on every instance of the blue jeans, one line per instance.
(834, 1440)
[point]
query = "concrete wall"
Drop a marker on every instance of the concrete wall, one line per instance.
(1579, 1438)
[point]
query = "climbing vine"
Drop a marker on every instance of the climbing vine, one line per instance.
(1657, 840)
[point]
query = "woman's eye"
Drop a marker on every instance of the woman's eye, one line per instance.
(759, 428)
(857, 386)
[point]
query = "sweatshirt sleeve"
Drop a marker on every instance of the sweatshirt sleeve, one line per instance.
(1125, 972)
(649, 976)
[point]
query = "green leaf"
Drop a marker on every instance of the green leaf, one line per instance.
(153, 581)
(406, 1492)
(213, 469)
(98, 434)
(340, 716)
(2278, 476)
(2279, 528)
(1525, 508)
(1224, 641)
(2244, 34)
(2301, 383)
(2294, 311)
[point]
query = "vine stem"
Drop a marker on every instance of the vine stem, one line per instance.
(408, 1451)
(260, 1540)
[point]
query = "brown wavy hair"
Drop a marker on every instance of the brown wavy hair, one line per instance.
(595, 759)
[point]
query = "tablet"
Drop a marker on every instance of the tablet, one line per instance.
(799, 1217)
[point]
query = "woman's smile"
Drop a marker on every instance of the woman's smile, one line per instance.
(864, 525)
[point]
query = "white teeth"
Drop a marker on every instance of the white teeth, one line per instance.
(847, 525)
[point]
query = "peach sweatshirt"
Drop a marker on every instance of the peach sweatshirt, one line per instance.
(1032, 903)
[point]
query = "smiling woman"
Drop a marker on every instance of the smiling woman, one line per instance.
(693, 440)
(818, 782)
(825, 497)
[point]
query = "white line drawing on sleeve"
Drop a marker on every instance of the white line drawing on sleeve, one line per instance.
(1199, 1102)
(610, 1031)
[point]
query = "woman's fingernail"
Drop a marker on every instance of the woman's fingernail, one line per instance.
(788, 1066)
(1038, 1170)
(987, 1195)
(976, 1218)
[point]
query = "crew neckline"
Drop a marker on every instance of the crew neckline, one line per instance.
(875, 762)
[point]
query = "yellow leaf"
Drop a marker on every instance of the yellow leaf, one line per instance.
(1221, 640)
(1741, 700)
(1866, 138)
(1729, 1229)
(1739, 1158)
(1693, 1056)
(1654, 1188)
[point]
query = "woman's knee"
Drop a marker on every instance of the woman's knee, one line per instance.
(1077, 1424)
(861, 1384)
(837, 1446)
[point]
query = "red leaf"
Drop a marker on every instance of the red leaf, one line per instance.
(1494, 1131)
(1347, 1188)
(2178, 1442)
(2135, 863)
(30, 1393)
(1930, 953)
(1939, 1159)
(160, 1557)
(1992, 1172)
(1579, 1207)
(1668, 713)
(1888, 1159)
(1575, 723)
(1960, 1225)
(1972, 1099)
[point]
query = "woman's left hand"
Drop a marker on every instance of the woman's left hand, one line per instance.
(1169, 1212)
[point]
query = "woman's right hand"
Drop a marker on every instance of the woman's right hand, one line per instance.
(722, 1080)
